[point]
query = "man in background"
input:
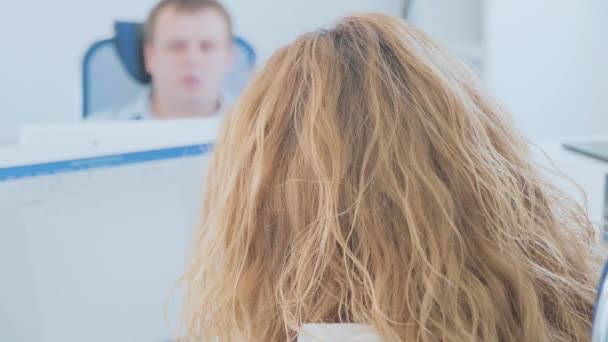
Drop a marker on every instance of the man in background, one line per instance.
(188, 52)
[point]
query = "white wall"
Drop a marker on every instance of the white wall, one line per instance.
(547, 59)
(43, 43)
(548, 64)
(275, 23)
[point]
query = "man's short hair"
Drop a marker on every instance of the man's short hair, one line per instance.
(185, 6)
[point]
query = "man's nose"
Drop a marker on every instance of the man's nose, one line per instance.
(192, 55)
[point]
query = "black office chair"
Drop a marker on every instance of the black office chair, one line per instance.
(114, 74)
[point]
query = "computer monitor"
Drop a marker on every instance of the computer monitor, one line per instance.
(8, 136)
(91, 244)
(600, 314)
(121, 134)
(593, 149)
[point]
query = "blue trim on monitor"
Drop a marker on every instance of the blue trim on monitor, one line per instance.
(107, 161)
(86, 81)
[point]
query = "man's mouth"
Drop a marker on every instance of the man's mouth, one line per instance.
(191, 81)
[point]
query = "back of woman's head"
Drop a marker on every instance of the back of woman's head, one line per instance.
(364, 177)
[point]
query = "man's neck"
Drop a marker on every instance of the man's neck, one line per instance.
(165, 110)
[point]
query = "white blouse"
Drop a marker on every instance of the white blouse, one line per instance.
(337, 332)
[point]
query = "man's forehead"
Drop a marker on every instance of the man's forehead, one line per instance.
(202, 23)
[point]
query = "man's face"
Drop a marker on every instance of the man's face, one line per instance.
(189, 55)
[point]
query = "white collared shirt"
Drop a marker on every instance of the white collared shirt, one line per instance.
(141, 109)
(337, 332)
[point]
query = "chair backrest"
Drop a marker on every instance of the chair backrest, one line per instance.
(114, 75)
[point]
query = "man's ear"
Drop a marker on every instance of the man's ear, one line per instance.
(148, 58)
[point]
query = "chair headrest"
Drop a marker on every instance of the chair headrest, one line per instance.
(129, 45)
(129, 41)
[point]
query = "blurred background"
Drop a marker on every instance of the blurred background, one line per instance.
(545, 60)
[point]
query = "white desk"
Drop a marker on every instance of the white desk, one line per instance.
(589, 173)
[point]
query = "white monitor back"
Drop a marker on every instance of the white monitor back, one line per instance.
(91, 244)
(121, 134)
